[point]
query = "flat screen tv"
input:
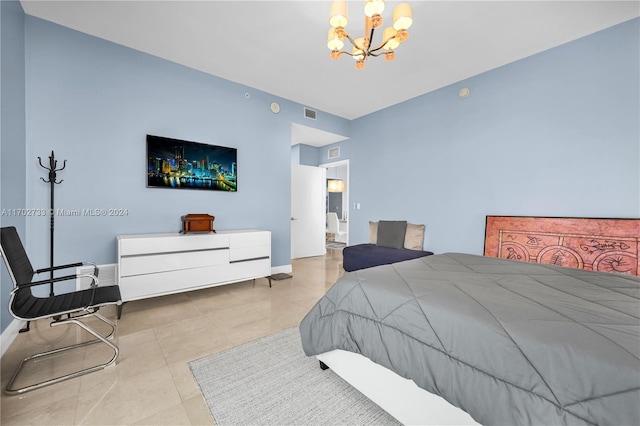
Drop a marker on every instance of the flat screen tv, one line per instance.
(175, 163)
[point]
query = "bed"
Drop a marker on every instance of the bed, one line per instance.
(501, 341)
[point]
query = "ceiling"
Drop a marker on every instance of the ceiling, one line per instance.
(280, 46)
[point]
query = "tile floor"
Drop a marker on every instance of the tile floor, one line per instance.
(151, 383)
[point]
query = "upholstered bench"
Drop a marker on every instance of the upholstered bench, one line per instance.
(363, 256)
(389, 242)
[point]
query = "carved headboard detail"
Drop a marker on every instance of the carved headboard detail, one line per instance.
(598, 244)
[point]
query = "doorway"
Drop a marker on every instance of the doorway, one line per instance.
(308, 237)
(337, 198)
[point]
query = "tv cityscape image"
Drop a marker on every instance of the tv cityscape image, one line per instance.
(174, 163)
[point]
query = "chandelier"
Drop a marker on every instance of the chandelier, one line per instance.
(362, 47)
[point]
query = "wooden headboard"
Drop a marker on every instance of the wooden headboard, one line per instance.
(606, 245)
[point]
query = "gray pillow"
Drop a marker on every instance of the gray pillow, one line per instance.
(391, 233)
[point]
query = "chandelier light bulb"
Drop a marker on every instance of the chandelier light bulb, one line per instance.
(338, 14)
(359, 64)
(390, 56)
(333, 40)
(373, 7)
(389, 35)
(402, 17)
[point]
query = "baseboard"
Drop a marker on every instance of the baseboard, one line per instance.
(9, 334)
(284, 269)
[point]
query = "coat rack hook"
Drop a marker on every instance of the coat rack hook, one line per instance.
(53, 163)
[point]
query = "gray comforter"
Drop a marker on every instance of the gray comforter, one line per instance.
(509, 342)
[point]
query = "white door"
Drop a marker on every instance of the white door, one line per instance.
(307, 211)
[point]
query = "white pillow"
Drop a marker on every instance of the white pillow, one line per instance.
(373, 232)
(414, 237)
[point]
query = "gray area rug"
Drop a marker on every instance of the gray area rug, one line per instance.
(270, 381)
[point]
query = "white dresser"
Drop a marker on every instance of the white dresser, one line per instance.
(152, 265)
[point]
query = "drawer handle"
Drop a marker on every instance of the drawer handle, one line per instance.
(249, 260)
(173, 252)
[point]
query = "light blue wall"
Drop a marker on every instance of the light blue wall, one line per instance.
(305, 155)
(12, 133)
(309, 155)
(555, 134)
(93, 102)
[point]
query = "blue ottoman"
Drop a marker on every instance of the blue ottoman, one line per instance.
(363, 256)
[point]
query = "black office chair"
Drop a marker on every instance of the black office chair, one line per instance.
(66, 308)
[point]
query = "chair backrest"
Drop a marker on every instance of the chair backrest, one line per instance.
(15, 256)
(333, 225)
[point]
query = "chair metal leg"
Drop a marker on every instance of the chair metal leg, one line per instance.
(72, 320)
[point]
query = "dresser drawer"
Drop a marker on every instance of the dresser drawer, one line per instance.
(248, 239)
(246, 253)
(150, 285)
(152, 263)
(172, 244)
(251, 269)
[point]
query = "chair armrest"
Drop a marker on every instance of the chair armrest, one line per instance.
(47, 281)
(70, 265)
(93, 277)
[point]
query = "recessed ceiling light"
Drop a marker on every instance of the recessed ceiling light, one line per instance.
(464, 92)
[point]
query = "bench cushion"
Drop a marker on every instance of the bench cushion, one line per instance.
(363, 256)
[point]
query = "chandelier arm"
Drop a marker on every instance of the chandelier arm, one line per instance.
(370, 40)
(368, 51)
(353, 43)
(381, 45)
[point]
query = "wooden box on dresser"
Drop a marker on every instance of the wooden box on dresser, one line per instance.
(152, 265)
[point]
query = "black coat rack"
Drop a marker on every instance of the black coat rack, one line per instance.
(53, 164)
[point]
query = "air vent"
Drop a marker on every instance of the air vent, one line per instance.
(333, 152)
(309, 113)
(107, 276)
